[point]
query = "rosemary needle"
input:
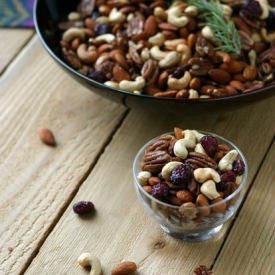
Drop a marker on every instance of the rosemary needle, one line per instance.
(226, 34)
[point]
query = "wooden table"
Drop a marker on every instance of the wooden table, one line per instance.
(97, 141)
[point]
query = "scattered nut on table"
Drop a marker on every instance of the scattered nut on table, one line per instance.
(88, 260)
(47, 136)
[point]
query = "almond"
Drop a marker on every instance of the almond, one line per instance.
(124, 268)
(120, 59)
(151, 26)
(220, 76)
(233, 67)
(47, 136)
(120, 74)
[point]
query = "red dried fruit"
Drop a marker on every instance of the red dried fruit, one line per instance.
(181, 174)
(83, 207)
(202, 270)
(238, 167)
(209, 144)
(160, 190)
(228, 176)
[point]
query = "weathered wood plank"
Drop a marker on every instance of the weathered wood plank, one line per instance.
(250, 247)
(37, 181)
(121, 229)
(11, 42)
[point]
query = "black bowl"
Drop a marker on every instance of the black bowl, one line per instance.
(47, 13)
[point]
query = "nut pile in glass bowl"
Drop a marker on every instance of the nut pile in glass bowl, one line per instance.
(190, 182)
(170, 48)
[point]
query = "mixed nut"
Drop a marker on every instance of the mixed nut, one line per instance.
(195, 172)
(165, 49)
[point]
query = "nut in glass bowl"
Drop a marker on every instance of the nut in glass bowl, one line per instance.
(190, 182)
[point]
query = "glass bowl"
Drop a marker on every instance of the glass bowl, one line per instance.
(190, 223)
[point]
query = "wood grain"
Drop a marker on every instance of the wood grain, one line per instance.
(11, 42)
(121, 230)
(38, 181)
(250, 247)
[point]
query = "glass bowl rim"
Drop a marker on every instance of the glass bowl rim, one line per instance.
(242, 184)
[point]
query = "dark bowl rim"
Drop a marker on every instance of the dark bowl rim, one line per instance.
(125, 93)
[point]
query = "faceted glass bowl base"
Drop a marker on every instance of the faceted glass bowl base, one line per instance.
(193, 237)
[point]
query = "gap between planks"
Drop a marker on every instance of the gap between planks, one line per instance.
(69, 200)
(10, 36)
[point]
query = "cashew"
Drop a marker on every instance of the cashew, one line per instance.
(268, 37)
(207, 33)
(156, 53)
(198, 135)
(132, 86)
(239, 179)
(252, 55)
(203, 174)
(104, 57)
(208, 188)
(181, 145)
(193, 94)
(160, 12)
(157, 39)
(108, 38)
(191, 10)
(72, 33)
(178, 84)
(87, 260)
(199, 149)
(137, 92)
(145, 54)
(185, 52)
(143, 177)
(204, 96)
(116, 16)
(265, 8)
(226, 162)
(72, 16)
(256, 37)
(170, 59)
(168, 167)
(175, 18)
(102, 19)
(130, 16)
(227, 11)
(174, 43)
(85, 54)
(112, 84)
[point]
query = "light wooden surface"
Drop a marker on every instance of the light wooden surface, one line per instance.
(121, 229)
(97, 141)
(250, 248)
(11, 41)
(37, 181)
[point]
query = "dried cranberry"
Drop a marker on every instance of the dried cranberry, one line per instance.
(160, 190)
(228, 176)
(179, 72)
(83, 207)
(251, 10)
(181, 174)
(102, 28)
(97, 76)
(238, 167)
(209, 144)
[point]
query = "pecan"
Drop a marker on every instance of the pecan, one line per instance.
(135, 26)
(154, 161)
(135, 56)
(254, 86)
(71, 57)
(267, 55)
(200, 160)
(247, 42)
(150, 71)
(161, 143)
(106, 68)
(203, 47)
(199, 66)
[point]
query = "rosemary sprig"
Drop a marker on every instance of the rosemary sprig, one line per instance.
(226, 34)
